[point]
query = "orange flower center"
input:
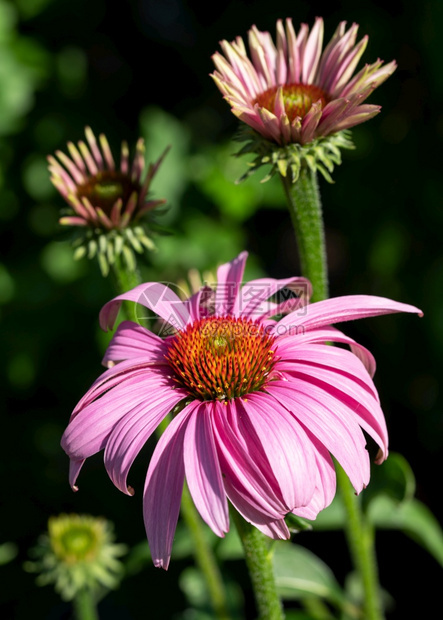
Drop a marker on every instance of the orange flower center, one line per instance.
(297, 98)
(106, 187)
(222, 358)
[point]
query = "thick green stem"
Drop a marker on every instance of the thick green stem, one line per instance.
(84, 605)
(124, 279)
(202, 550)
(259, 562)
(305, 207)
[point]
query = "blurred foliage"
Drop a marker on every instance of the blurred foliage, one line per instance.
(144, 70)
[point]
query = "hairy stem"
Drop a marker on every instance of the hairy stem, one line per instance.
(259, 562)
(84, 605)
(303, 198)
(305, 207)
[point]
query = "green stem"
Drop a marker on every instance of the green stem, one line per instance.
(124, 279)
(202, 551)
(306, 213)
(360, 536)
(305, 207)
(84, 605)
(259, 562)
(205, 557)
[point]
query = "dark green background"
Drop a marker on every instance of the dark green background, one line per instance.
(90, 63)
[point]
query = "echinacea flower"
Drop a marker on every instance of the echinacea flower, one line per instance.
(258, 405)
(78, 552)
(294, 92)
(107, 202)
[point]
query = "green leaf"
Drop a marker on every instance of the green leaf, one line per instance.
(138, 558)
(8, 552)
(413, 518)
(160, 129)
(331, 518)
(193, 585)
(300, 574)
(394, 479)
(230, 547)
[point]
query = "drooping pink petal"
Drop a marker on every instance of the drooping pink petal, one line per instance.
(88, 431)
(287, 447)
(330, 334)
(322, 415)
(202, 470)
(325, 485)
(153, 295)
(134, 341)
(251, 488)
(131, 433)
(274, 529)
(339, 309)
(75, 466)
(358, 398)
(115, 376)
(164, 487)
(333, 359)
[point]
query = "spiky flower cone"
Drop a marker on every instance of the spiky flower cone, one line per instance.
(107, 203)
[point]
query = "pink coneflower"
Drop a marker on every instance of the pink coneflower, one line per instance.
(292, 91)
(259, 405)
(100, 194)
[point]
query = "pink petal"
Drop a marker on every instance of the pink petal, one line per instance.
(94, 148)
(248, 481)
(338, 309)
(331, 358)
(155, 296)
(88, 431)
(164, 487)
(198, 304)
(115, 376)
(285, 444)
(325, 483)
(252, 299)
(355, 396)
(310, 122)
(281, 69)
(322, 415)
(312, 52)
(131, 433)
(202, 470)
(229, 277)
(274, 529)
(330, 334)
(74, 470)
(134, 341)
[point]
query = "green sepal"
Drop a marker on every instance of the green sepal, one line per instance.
(297, 524)
(321, 155)
(107, 245)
